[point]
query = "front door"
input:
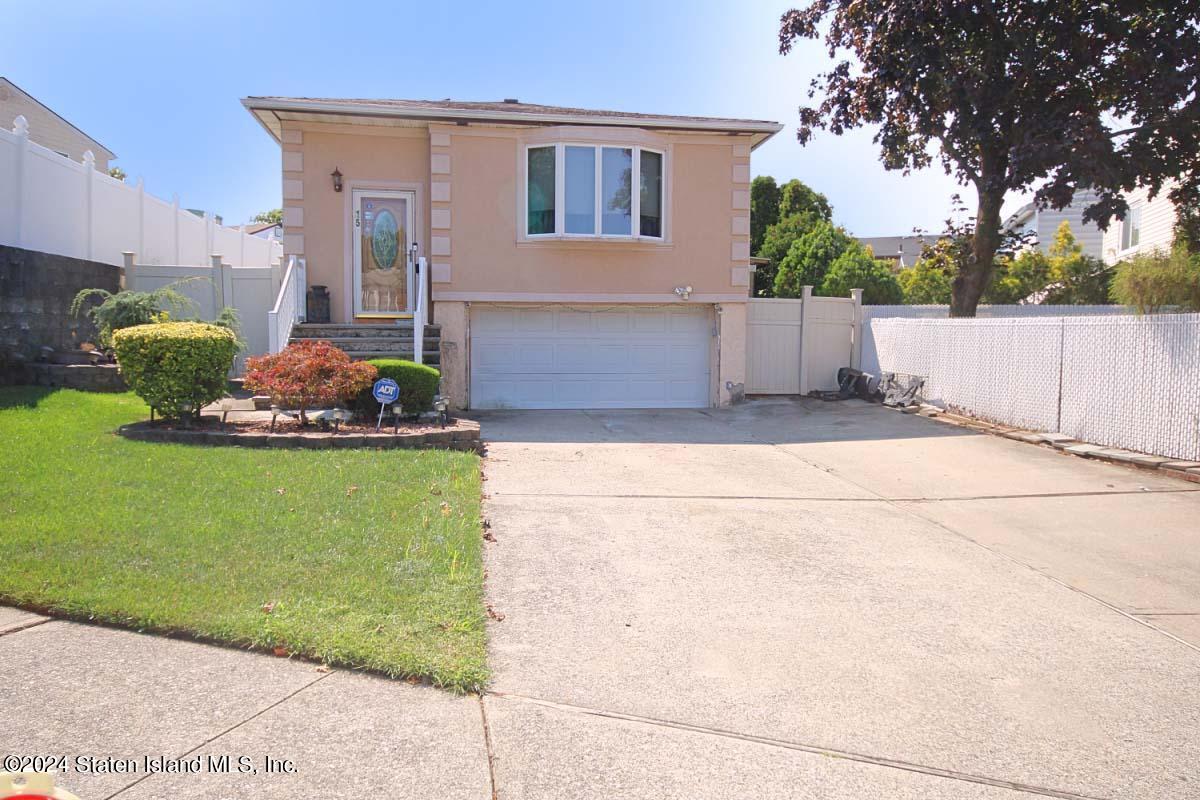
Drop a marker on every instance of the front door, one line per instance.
(383, 224)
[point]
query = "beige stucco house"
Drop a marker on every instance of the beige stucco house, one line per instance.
(47, 128)
(577, 258)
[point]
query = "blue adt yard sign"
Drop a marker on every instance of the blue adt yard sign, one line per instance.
(386, 390)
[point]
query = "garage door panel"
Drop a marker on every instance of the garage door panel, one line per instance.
(611, 322)
(495, 355)
(649, 321)
(537, 357)
(539, 321)
(574, 322)
(635, 357)
(688, 359)
(679, 391)
(493, 320)
(696, 324)
(650, 358)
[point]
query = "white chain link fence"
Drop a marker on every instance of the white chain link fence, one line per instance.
(1122, 381)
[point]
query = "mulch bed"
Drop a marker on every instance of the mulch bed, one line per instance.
(459, 434)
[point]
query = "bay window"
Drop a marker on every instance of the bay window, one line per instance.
(581, 190)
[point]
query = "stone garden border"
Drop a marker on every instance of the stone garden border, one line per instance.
(462, 434)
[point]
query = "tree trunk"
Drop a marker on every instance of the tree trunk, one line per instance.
(975, 276)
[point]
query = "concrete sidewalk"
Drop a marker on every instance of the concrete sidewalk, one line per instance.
(782, 600)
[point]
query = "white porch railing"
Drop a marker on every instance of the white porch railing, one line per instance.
(420, 312)
(291, 306)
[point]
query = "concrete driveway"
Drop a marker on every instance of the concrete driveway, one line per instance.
(782, 600)
(801, 599)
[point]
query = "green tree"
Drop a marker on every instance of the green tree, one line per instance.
(1017, 277)
(1075, 277)
(809, 256)
(764, 209)
(857, 268)
(1063, 275)
(1151, 281)
(273, 217)
(1012, 93)
(777, 240)
(799, 198)
(928, 281)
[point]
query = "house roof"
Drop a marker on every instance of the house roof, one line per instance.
(111, 155)
(905, 249)
(268, 110)
(1020, 216)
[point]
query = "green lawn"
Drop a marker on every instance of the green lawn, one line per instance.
(371, 559)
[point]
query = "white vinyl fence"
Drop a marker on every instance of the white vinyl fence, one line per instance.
(250, 290)
(1121, 381)
(870, 360)
(796, 346)
(52, 204)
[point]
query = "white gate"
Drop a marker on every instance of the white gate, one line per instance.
(796, 346)
(250, 290)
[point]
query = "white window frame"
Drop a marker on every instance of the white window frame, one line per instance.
(560, 194)
(1135, 210)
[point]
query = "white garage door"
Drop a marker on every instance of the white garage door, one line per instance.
(575, 357)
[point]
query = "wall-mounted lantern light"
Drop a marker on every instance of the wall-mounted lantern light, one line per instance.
(337, 179)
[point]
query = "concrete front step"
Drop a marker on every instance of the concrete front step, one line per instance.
(352, 344)
(432, 357)
(402, 330)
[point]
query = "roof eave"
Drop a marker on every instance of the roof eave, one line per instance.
(760, 130)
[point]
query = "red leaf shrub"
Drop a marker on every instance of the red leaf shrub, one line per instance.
(308, 374)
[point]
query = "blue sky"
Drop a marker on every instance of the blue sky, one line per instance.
(159, 82)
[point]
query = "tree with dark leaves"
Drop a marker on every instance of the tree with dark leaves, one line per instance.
(1012, 94)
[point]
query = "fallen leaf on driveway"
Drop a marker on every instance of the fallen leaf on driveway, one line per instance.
(282, 652)
(324, 668)
(494, 614)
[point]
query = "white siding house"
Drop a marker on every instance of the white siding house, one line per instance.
(1148, 225)
(1043, 224)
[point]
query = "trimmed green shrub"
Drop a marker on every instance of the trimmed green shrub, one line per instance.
(418, 384)
(176, 367)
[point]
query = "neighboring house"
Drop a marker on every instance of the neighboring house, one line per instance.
(1149, 224)
(266, 230)
(1041, 224)
(578, 258)
(902, 251)
(48, 128)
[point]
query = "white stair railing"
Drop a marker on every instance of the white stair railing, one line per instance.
(291, 306)
(420, 312)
